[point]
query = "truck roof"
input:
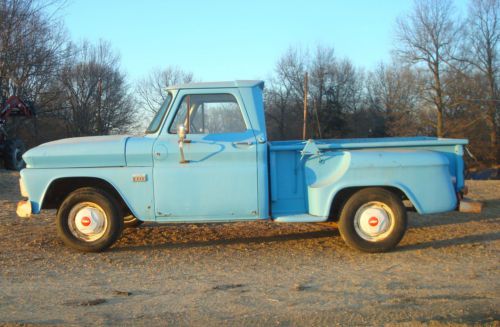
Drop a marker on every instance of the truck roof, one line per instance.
(216, 85)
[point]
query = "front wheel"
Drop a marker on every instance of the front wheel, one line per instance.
(373, 220)
(89, 220)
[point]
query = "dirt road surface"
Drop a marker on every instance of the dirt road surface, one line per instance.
(445, 271)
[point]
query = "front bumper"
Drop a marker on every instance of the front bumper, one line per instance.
(24, 209)
(470, 206)
(22, 188)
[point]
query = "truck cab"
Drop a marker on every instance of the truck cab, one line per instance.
(205, 157)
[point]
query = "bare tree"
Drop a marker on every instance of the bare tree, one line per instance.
(323, 68)
(335, 90)
(31, 46)
(428, 36)
(284, 95)
(95, 95)
(483, 44)
(343, 98)
(278, 104)
(467, 117)
(291, 68)
(152, 91)
(396, 92)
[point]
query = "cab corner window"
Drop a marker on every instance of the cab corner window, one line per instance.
(209, 114)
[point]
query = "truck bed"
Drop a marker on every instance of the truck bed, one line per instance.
(289, 189)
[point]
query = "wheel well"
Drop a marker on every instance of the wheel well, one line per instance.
(343, 195)
(60, 188)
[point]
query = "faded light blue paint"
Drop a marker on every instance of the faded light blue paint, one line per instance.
(242, 176)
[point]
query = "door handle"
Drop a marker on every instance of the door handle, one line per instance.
(247, 143)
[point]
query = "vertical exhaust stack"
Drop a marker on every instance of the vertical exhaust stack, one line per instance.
(304, 127)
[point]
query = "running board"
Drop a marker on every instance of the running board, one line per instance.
(302, 218)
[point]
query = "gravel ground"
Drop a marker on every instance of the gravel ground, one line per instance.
(444, 272)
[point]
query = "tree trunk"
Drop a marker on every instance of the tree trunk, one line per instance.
(439, 102)
(492, 110)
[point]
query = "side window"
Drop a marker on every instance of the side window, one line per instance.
(209, 114)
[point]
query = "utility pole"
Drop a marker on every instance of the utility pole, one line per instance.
(304, 127)
(99, 119)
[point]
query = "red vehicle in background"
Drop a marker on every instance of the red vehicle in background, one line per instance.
(12, 149)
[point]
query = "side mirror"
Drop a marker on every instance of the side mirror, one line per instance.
(181, 133)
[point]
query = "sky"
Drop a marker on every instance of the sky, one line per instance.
(227, 40)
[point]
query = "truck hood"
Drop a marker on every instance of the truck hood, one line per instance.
(78, 152)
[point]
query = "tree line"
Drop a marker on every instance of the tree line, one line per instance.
(442, 81)
(75, 89)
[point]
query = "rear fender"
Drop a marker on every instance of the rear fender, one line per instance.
(422, 176)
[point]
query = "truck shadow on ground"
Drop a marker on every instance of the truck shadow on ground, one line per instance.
(232, 241)
(457, 241)
(434, 244)
(223, 237)
(418, 224)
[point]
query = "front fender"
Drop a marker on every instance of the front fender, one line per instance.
(423, 176)
(137, 195)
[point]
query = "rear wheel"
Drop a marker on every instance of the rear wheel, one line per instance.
(373, 220)
(13, 154)
(89, 220)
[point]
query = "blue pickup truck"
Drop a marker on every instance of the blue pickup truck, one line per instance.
(205, 157)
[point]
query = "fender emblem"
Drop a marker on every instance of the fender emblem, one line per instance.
(140, 178)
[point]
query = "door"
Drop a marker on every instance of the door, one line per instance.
(219, 179)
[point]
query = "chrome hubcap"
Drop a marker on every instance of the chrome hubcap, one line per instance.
(87, 221)
(374, 221)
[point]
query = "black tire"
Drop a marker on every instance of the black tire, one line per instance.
(130, 221)
(13, 154)
(99, 200)
(353, 223)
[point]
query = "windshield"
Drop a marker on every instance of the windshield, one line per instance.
(156, 122)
